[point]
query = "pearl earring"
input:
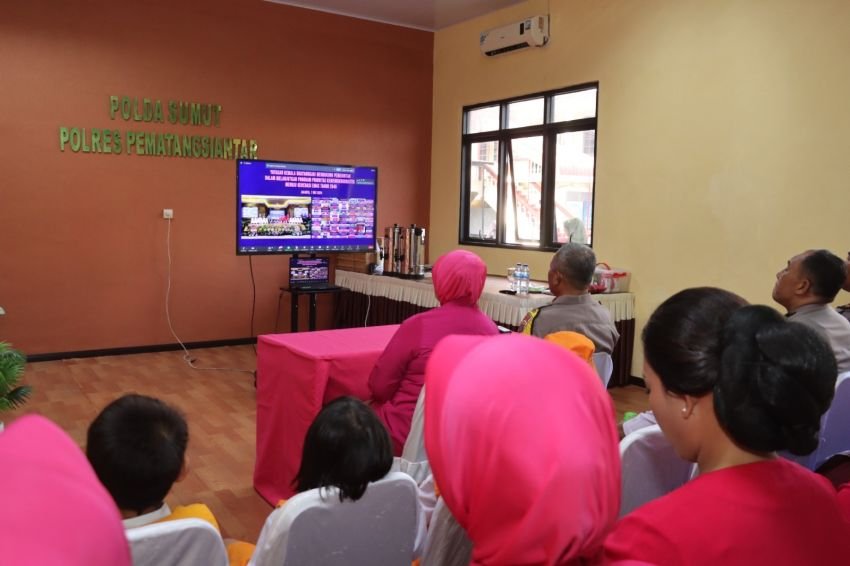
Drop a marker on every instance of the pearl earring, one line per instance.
(684, 409)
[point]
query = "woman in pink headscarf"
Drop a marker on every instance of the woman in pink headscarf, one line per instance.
(54, 511)
(522, 442)
(400, 371)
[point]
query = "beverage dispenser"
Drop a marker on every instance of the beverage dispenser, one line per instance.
(392, 237)
(404, 252)
(401, 253)
(415, 251)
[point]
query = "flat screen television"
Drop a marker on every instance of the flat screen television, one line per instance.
(287, 207)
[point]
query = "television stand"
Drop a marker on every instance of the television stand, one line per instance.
(295, 294)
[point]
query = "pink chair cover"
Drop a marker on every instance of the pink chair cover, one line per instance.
(523, 445)
(54, 510)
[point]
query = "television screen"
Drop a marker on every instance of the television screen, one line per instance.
(287, 207)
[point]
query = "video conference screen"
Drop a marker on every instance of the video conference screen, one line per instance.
(308, 269)
(290, 207)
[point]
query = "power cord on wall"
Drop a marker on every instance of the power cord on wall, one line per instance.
(368, 306)
(186, 356)
(277, 314)
(253, 299)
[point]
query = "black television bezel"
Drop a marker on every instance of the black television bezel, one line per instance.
(310, 250)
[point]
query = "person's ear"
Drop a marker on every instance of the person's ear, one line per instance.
(688, 405)
(804, 287)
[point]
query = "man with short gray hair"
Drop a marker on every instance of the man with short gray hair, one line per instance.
(805, 287)
(570, 273)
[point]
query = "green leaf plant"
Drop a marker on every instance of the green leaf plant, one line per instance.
(12, 362)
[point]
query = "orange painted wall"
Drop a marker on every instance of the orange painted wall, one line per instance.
(82, 239)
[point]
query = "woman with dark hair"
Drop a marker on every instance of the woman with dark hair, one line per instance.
(731, 384)
(399, 373)
(346, 447)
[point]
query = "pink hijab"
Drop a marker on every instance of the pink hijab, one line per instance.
(459, 277)
(54, 510)
(521, 438)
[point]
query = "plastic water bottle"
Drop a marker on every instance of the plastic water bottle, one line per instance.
(516, 278)
(522, 280)
(523, 284)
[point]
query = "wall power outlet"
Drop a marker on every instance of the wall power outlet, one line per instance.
(168, 213)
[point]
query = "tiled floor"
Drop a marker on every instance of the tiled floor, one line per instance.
(219, 405)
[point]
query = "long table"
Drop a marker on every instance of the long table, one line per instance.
(377, 300)
(297, 374)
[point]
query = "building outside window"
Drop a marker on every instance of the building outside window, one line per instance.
(529, 170)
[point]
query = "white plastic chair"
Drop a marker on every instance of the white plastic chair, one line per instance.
(835, 424)
(314, 527)
(834, 428)
(651, 468)
(414, 460)
(414, 446)
(447, 543)
(639, 421)
(604, 364)
(182, 542)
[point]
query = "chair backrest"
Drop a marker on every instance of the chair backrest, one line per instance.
(414, 446)
(316, 528)
(447, 543)
(604, 364)
(639, 421)
(835, 424)
(419, 471)
(651, 468)
(182, 542)
(836, 469)
(834, 428)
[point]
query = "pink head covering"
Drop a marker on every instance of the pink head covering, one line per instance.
(54, 510)
(522, 442)
(459, 277)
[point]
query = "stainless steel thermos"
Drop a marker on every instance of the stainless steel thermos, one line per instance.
(404, 254)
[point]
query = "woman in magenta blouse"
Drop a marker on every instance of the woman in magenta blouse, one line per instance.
(400, 371)
(731, 384)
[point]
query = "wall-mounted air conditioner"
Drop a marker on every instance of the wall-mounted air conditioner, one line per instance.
(533, 32)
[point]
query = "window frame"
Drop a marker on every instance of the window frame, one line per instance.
(549, 130)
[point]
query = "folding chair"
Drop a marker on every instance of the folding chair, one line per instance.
(651, 468)
(316, 528)
(182, 542)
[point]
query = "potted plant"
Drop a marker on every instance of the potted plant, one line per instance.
(12, 362)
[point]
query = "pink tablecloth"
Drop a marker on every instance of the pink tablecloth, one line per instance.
(296, 375)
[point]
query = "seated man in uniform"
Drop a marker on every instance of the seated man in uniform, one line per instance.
(805, 287)
(573, 308)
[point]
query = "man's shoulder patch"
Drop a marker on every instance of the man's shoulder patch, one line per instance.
(528, 321)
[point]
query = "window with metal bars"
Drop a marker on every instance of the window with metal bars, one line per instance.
(529, 169)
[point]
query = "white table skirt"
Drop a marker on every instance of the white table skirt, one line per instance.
(504, 309)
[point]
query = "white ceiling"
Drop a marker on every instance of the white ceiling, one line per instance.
(427, 15)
